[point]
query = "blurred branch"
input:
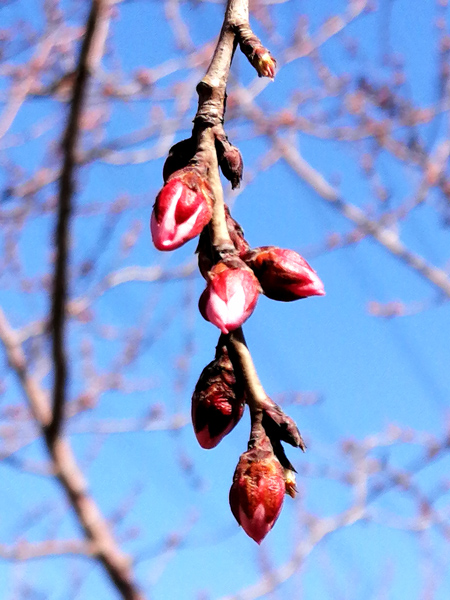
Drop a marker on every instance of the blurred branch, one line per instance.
(132, 273)
(20, 91)
(384, 236)
(318, 529)
(90, 56)
(363, 495)
(96, 528)
(23, 550)
(111, 426)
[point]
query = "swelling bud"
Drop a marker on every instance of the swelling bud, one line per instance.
(230, 295)
(283, 274)
(264, 63)
(257, 493)
(218, 401)
(182, 209)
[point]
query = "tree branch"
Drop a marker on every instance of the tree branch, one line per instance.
(91, 51)
(384, 236)
(23, 550)
(96, 528)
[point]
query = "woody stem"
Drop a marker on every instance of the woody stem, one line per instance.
(211, 109)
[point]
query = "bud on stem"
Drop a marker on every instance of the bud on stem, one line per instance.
(283, 274)
(207, 255)
(258, 56)
(257, 492)
(218, 400)
(229, 157)
(182, 209)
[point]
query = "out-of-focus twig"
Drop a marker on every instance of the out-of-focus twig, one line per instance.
(384, 236)
(96, 528)
(23, 550)
(90, 55)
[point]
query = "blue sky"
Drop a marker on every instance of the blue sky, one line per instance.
(366, 372)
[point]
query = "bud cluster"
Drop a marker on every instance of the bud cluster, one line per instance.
(235, 276)
(234, 283)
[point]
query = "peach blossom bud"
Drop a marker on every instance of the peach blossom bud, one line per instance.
(218, 401)
(283, 274)
(257, 493)
(230, 295)
(182, 208)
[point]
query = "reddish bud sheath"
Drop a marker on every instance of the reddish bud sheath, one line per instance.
(179, 156)
(205, 251)
(182, 208)
(264, 63)
(283, 274)
(257, 493)
(217, 402)
(230, 295)
(236, 234)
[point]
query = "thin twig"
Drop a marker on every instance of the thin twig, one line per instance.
(241, 356)
(50, 548)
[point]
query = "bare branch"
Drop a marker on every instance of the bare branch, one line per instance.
(384, 236)
(34, 550)
(69, 474)
(90, 55)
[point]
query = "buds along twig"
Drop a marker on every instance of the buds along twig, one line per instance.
(235, 276)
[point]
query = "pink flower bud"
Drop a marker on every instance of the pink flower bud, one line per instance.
(283, 274)
(257, 493)
(182, 208)
(218, 401)
(230, 295)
